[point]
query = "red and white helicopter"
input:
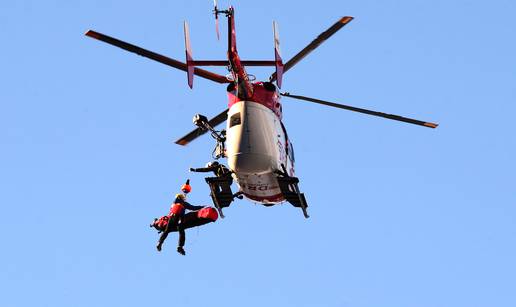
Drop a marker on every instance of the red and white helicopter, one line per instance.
(259, 153)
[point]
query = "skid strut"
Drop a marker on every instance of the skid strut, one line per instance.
(290, 189)
(221, 193)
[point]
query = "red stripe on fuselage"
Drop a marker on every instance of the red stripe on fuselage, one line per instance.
(269, 99)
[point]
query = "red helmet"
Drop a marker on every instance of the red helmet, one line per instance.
(186, 188)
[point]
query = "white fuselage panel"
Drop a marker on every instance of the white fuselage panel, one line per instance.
(255, 150)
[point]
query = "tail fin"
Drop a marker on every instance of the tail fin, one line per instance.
(277, 55)
(189, 60)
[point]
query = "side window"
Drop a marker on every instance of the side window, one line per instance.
(291, 151)
(234, 120)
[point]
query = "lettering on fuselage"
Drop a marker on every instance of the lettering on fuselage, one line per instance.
(257, 187)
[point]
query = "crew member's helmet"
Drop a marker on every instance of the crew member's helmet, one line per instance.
(186, 188)
(211, 164)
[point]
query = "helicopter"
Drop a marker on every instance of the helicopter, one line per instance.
(259, 153)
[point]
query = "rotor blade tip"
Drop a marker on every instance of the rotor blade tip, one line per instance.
(431, 125)
(345, 19)
(91, 33)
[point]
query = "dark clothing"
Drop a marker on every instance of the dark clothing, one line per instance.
(219, 170)
(175, 220)
(188, 206)
(173, 224)
(220, 185)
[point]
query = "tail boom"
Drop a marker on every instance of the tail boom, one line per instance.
(245, 88)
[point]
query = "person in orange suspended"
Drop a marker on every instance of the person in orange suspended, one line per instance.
(175, 218)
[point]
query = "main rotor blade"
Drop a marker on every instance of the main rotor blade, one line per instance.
(364, 111)
(155, 56)
(219, 119)
(314, 44)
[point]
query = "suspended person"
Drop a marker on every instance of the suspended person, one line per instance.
(174, 220)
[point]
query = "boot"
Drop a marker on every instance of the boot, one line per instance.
(153, 223)
(181, 250)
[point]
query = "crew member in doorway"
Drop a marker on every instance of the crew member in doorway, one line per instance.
(218, 169)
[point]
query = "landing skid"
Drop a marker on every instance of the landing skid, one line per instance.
(290, 190)
(221, 193)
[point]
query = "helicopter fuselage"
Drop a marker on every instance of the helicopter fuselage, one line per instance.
(258, 145)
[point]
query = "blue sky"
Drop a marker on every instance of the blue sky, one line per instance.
(400, 215)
